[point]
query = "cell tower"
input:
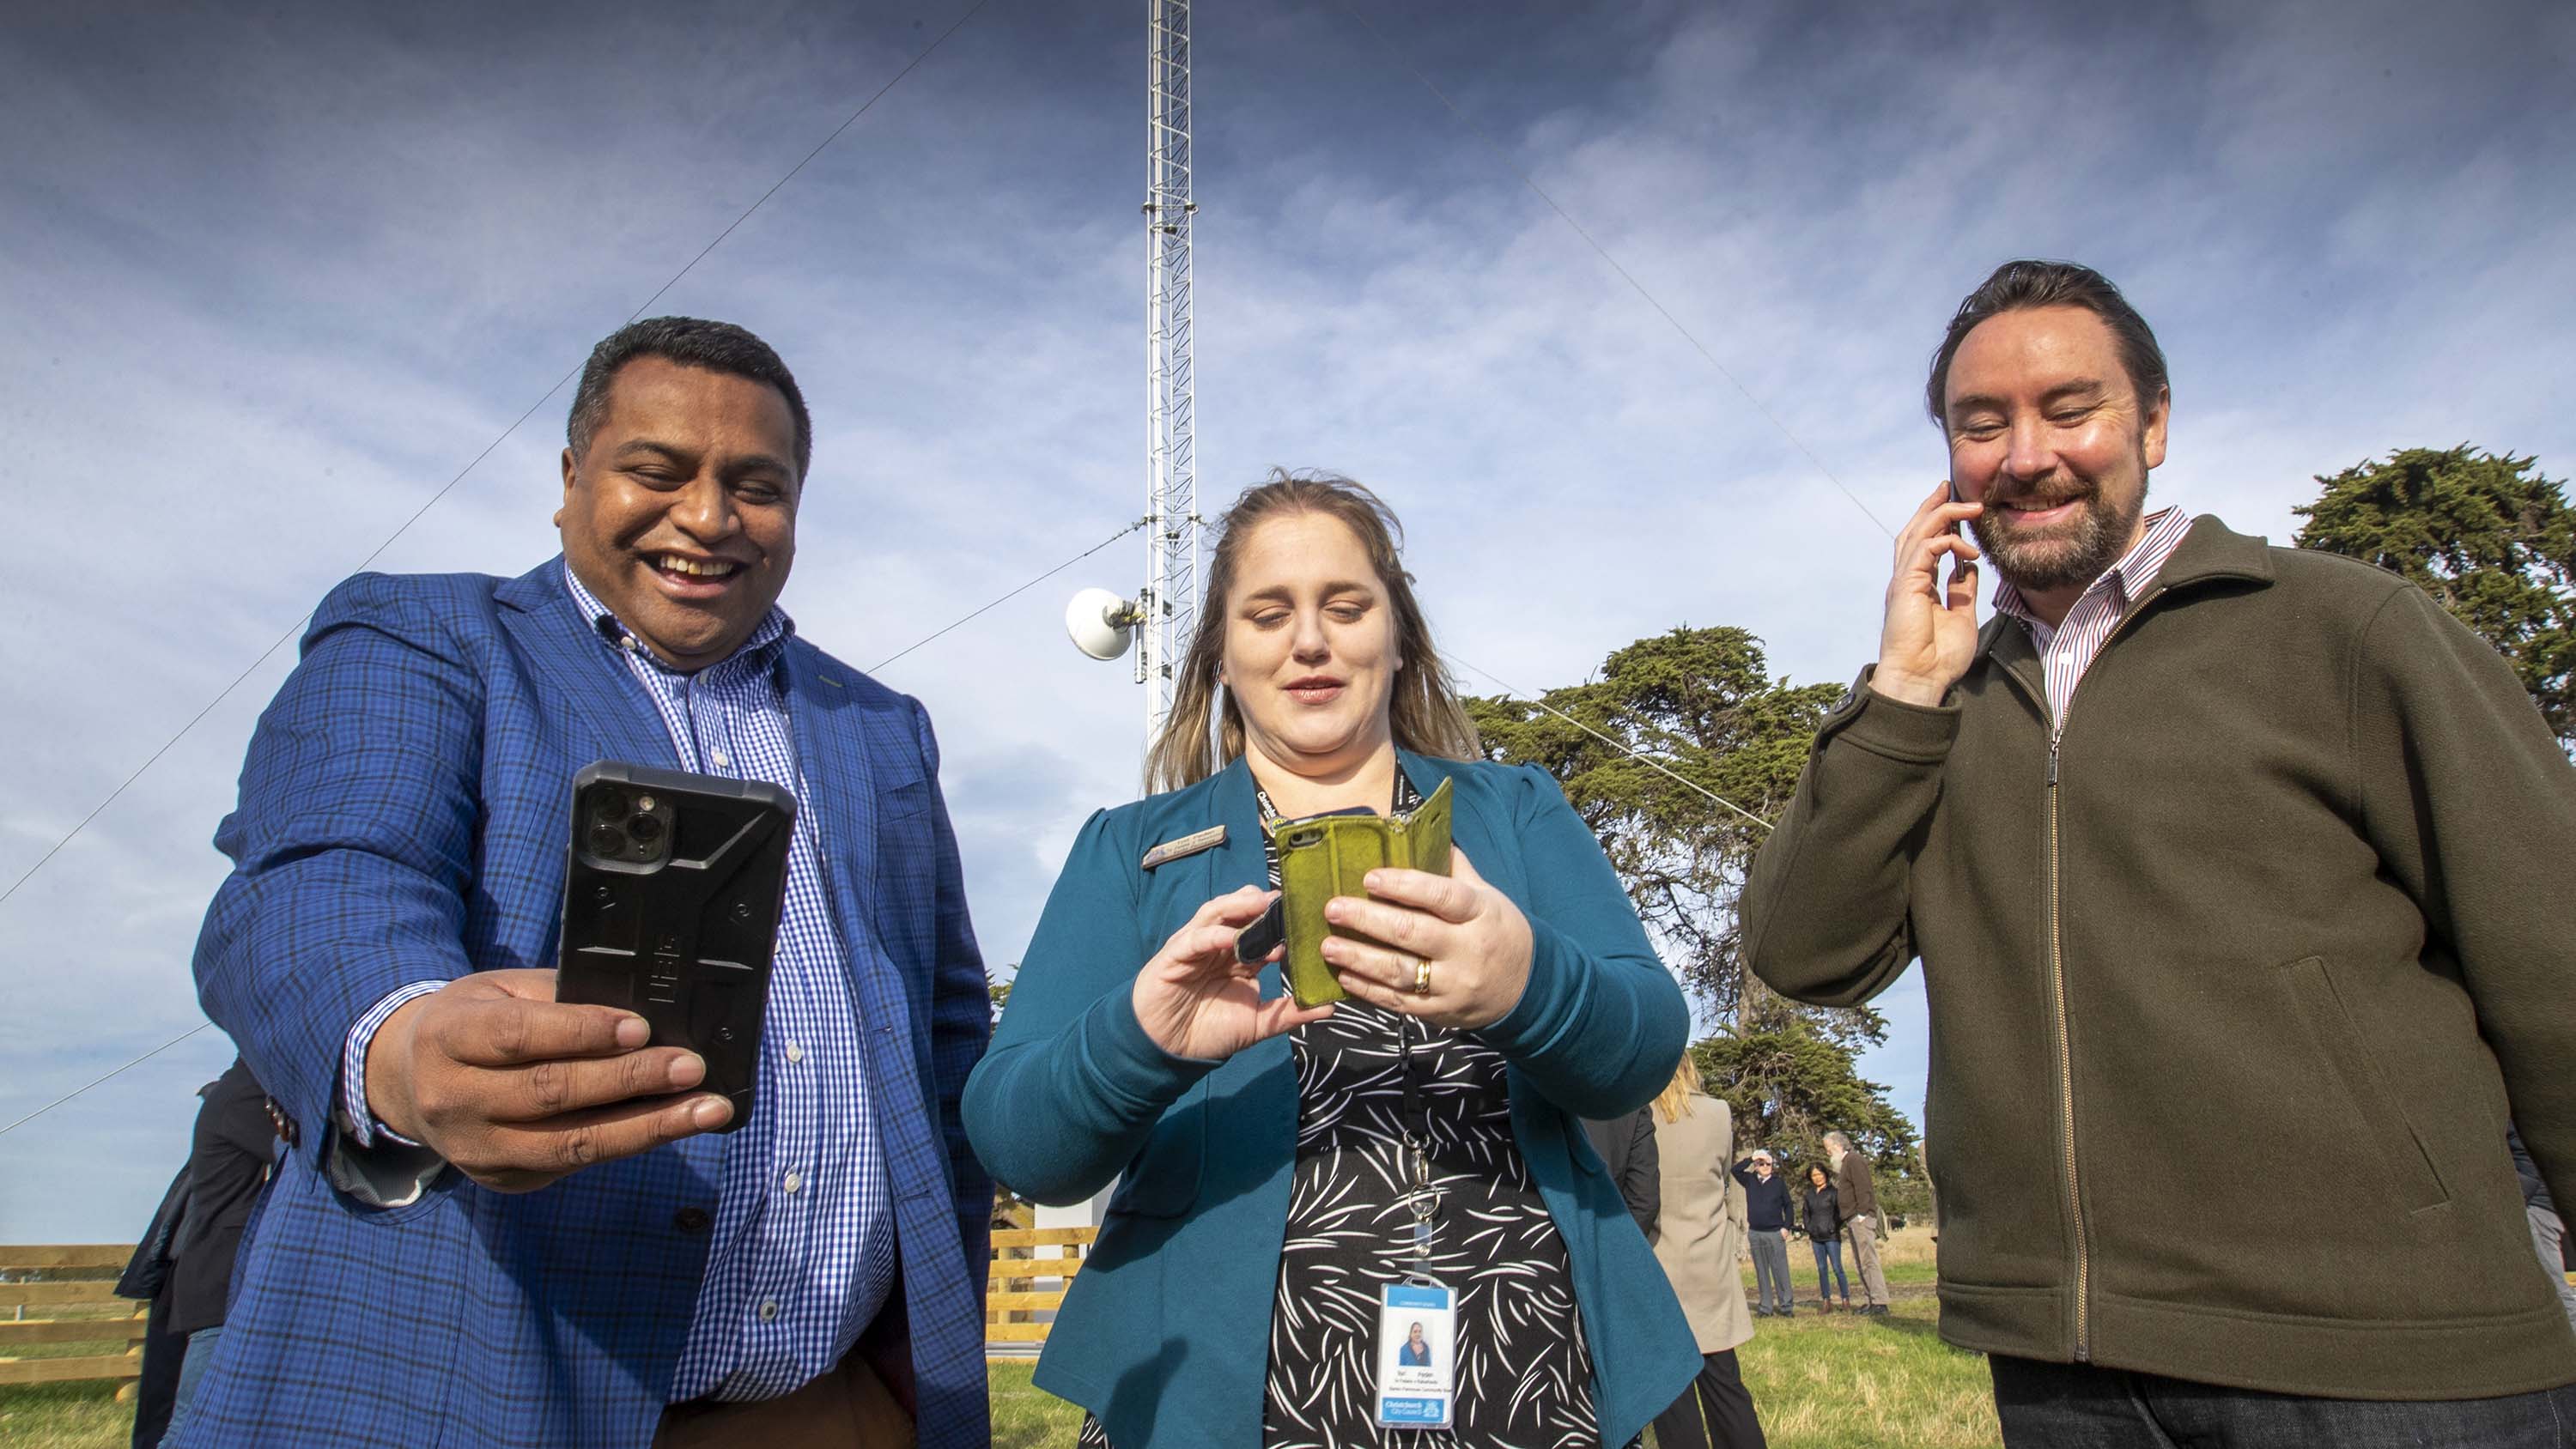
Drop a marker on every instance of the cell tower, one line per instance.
(1169, 604)
(1159, 621)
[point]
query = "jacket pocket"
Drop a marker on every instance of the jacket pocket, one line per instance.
(1163, 1180)
(385, 1185)
(904, 801)
(2375, 1112)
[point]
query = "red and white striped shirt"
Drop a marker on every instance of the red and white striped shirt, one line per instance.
(2067, 648)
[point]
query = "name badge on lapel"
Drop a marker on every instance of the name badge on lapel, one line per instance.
(1187, 845)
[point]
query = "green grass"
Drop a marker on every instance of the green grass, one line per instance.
(1026, 1416)
(64, 1416)
(1819, 1381)
(1835, 1382)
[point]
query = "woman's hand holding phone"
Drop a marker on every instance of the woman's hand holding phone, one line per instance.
(1930, 631)
(1476, 942)
(1196, 999)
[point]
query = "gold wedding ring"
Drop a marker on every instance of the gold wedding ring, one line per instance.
(1421, 976)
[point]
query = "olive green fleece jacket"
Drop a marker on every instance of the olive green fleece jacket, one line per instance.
(2297, 882)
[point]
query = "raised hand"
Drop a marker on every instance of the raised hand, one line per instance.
(1196, 1000)
(515, 1089)
(1930, 632)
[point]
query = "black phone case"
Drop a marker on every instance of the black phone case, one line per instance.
(672, 898)
(1254, 943)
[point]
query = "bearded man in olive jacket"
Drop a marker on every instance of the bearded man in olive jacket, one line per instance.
(2205, 847)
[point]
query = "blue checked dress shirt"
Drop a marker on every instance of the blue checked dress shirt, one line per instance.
(803, 1254)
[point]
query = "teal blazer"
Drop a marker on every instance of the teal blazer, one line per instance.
(1165, 1334)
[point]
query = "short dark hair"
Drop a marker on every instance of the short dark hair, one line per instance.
(690, 342)
(2021, 284)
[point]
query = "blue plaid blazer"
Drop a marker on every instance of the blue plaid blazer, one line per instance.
(402, 818)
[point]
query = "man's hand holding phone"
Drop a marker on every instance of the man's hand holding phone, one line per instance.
(515, 1089)
(1930, 633)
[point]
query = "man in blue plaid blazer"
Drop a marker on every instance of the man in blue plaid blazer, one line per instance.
(504, 1221)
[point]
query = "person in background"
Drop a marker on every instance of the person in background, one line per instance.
(147, 1278)
(1627, 1148)
(1699, 1236)
(1857, 1193)
(230, 1161)
(185, 1262)
(1820, 1213)
(1766, 1216)
(2548, 1230)
(1264, 1152)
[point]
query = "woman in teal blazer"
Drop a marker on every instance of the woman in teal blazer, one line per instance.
(1262, 1150)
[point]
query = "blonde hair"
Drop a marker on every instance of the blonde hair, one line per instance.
(1673, 1102)
(1204, 732)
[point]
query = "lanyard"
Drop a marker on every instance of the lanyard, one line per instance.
(1419, 1195)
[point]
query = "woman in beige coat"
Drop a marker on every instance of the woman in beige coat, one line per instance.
(1698, 1236)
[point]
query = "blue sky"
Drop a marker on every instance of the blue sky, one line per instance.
(269, 281)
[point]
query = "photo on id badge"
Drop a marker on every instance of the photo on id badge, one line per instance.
(1416, 1343)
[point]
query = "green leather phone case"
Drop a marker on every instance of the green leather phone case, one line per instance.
(1330, 855)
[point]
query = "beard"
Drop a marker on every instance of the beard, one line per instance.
(2068, 554)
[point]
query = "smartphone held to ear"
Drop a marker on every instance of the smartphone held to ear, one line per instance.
(672, 897)
(1323, 856)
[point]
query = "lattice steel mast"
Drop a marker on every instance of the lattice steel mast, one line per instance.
(1169, 604)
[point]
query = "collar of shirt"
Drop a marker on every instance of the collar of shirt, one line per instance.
(755, 652)
(2123, 581)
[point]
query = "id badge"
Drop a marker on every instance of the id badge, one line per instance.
(1417, 1350)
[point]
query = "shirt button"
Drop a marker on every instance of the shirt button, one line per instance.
(690, 1220)
(723, 760)
(793, 1181)
(795, 1053)
(769, 1310)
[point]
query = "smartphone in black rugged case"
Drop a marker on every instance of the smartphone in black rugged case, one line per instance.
(671, 907)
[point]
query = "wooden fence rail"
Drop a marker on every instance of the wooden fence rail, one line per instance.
(1010, 1314)
(81, 1310)
(86, 1310)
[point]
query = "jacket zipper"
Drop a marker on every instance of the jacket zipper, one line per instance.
(2065, 1056)
(2057, 984)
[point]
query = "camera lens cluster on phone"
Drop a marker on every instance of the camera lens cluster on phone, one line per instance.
(625, 827)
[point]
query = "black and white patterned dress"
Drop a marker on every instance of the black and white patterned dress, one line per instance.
(1524, 1374)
